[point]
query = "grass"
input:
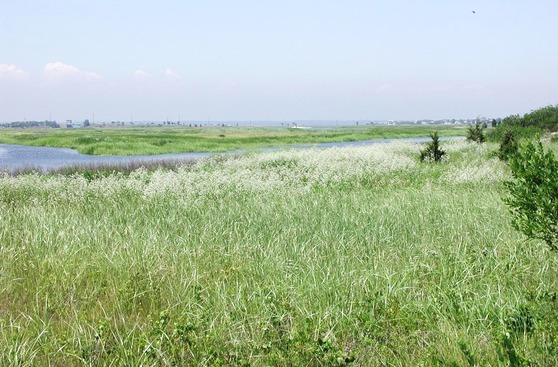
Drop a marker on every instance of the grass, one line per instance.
(142, 141)
(359, 256)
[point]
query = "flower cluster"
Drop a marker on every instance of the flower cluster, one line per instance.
(276, 171)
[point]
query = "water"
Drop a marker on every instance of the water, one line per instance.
(18, 157)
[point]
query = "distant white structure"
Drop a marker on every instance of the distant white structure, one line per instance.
(73, 125)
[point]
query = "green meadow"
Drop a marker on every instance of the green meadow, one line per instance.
(356, 256)
(153, 140)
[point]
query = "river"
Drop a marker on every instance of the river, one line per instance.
(15, 158)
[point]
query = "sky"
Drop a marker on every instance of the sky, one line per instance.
(107, 60)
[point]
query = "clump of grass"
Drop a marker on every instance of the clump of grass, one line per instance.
(95, 170)
(103, 170)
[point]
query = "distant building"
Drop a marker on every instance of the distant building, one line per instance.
(73, 125)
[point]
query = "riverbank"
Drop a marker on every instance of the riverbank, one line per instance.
(16, 159)
(151, 141)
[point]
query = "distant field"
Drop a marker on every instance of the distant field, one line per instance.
(145, 141)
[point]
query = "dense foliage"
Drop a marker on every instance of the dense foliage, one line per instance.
(475, 133)
(432, 152)
(546, 118)
(28, 124)
(509, 146)
(531, 125)
(533, 196)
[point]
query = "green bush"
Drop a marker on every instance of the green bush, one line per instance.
(529, 132)
(545, 117)
(530, 126)
(432, 152)
(533, 194)
(509, 146)
(475, 133)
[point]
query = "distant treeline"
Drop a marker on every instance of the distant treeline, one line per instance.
(24, 124)
(545, 118)
(534, 123)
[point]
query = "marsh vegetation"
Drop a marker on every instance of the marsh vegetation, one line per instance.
(146, 141)
(360, 256)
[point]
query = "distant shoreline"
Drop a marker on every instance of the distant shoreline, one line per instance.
(14, 158)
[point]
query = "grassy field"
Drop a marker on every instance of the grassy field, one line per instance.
(140, 141)
(359, 256)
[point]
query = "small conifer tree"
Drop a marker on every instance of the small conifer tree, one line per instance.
(475, 133)
(509, 146)
(432, 152)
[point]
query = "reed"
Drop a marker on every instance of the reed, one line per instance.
(147, 141)
(359, 256)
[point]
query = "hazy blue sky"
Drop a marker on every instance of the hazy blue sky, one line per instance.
(276, 60)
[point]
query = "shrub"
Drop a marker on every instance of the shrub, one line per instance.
(509, 146)
(530, 126)
(475, 132)
(545, 118)
(432, 152)
(528, 132)
(533, 195)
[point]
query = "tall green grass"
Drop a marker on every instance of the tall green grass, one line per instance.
(144, 141)
(349, 256)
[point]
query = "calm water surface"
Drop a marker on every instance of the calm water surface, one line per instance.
(19, 157)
